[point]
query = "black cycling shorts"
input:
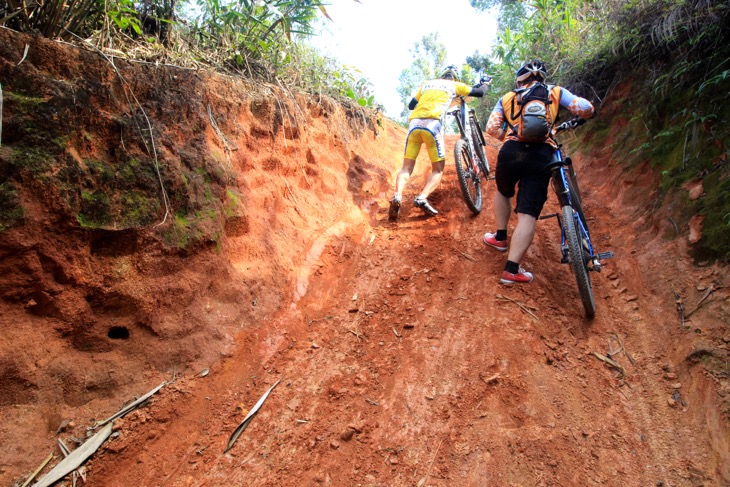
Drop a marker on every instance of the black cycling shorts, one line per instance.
(525, 166)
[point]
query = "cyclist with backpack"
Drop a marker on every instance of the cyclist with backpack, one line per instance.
(525, 118)
(426, 125)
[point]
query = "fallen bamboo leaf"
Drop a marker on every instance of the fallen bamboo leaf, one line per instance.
(66, 452)
(25, 55)
(626, 352)
(63, 447)
(244, 424)
(37, 470)
(82, 472)
(396, 332)
(132, 406)
(203, 373)
(612, 363)
(76, 458)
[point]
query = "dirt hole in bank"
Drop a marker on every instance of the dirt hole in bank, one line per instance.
(118, 333)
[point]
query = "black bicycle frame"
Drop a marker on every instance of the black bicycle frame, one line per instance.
(462, 121)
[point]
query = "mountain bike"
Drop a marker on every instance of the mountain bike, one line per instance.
(469, 155)
(575, 240)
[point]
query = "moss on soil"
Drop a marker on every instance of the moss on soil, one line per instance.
(682, 144)
(11, 210)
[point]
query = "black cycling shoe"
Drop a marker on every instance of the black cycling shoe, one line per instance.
(394, 209)
(424, 205)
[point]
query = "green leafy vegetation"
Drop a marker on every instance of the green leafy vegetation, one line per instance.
(257, 39)
(428, 59)
(675, 55)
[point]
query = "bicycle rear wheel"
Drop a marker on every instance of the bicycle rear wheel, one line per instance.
(468, 179)
(479, 148)
(578, 260)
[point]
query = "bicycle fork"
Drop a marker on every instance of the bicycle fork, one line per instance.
(594, 261)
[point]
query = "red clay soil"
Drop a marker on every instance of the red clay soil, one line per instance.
(398, 357)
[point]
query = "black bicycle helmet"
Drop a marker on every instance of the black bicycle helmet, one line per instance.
(450, 72)
(533, 67)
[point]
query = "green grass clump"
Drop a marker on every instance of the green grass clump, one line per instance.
(231, 204)
(715, 206)
(139, 209)
(11, 211)
(95, 208)
(32, 161)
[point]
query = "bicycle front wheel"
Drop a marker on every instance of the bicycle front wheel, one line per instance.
(575, 197)
(578, 260)
(468, 178)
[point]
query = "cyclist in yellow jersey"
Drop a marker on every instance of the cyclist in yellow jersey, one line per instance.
(426, 126)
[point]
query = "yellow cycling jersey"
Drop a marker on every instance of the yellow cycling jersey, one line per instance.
(435, 96)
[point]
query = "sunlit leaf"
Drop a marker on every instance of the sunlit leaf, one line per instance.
(324, 12)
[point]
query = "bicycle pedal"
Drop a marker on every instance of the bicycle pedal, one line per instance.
(604, 255)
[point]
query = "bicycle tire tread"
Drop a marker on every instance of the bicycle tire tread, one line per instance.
(580, 270)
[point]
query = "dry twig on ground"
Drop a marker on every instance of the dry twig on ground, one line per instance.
(522, 306)
(709, 291)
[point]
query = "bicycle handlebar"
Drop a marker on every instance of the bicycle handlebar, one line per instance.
(569, 125)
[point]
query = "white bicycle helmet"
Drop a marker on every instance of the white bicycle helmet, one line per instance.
(529, 68)
(450, 72)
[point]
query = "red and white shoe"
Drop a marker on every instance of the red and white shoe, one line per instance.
(522, 277)
(489, 239)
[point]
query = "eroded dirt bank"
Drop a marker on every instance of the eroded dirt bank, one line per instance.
(401, 359)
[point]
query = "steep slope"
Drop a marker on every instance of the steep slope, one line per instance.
(104, 294)
(401, 360)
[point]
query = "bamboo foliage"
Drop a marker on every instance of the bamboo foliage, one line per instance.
(257, 38)
(51, 18)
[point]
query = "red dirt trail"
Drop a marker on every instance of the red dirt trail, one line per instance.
(400, 359)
